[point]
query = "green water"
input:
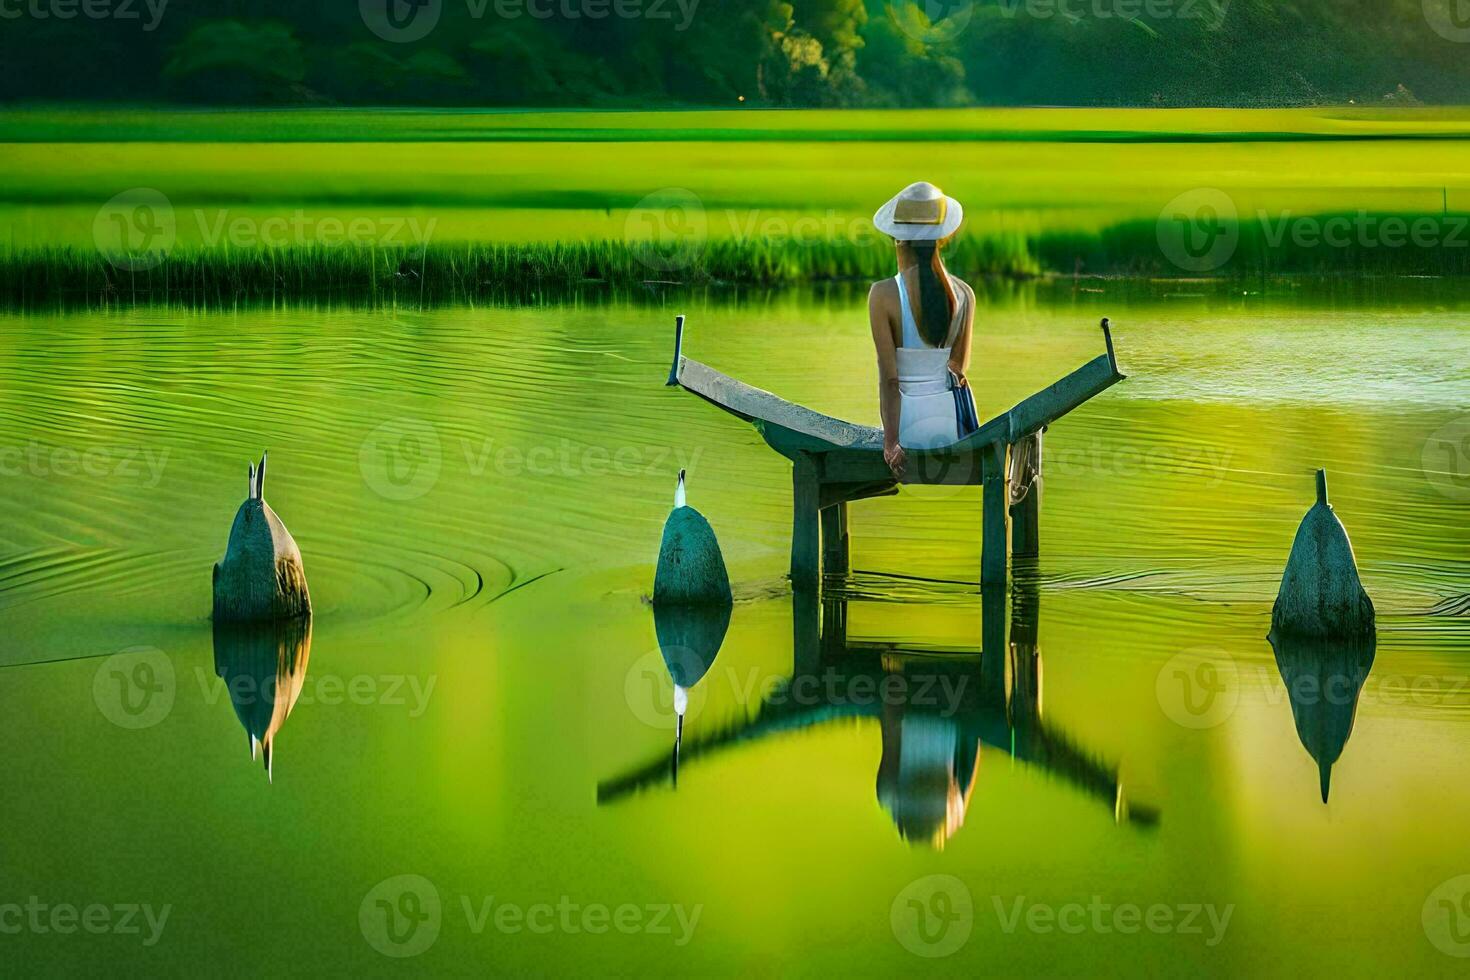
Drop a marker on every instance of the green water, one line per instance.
(478, 496)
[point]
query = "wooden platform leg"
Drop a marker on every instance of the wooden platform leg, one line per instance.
(834, 539)
(994, 542)
(805, 531)
(1026, 514)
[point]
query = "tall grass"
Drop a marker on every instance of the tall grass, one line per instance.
(449, 273)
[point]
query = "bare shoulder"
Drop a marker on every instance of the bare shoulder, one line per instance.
(883, 295)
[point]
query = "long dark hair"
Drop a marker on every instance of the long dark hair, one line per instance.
(937, 302)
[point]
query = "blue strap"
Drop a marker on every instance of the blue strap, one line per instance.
(910, 328)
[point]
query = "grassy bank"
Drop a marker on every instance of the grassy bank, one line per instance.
(1342, 244)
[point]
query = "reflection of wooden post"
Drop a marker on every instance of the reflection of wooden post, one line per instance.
(993, 647)
(993, 543)
(1025, 656)
(805, 532)
(834, 627)
(806, 634)
(1026, 484)
(834, 539)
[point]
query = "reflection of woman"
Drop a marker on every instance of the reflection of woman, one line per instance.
(922, 321)
(926, 774)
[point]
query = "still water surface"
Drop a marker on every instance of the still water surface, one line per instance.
(478, 496)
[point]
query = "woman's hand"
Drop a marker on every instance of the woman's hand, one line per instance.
(896, 459)
(959, 377)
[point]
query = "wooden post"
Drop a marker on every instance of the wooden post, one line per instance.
(996, 496)
(805, 531)
(1026, 512)
(834, 539)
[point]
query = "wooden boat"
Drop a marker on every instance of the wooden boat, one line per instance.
(835, 462)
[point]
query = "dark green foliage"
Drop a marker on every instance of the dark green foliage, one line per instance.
(802, 52)
(230, 61)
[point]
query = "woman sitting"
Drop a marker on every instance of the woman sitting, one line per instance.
(922, 320)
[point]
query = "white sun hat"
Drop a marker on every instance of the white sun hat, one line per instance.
(920, 213)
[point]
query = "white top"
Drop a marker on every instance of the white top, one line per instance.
(923, 369)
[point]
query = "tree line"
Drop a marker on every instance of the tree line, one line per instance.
(809, 53)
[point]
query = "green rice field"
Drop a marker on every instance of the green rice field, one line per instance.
(453, 205)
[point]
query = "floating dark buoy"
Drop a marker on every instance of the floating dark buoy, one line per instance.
(691, 570)
(1323, 679)
(1321, 596)
(260, 578)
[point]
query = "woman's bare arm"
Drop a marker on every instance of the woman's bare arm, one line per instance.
(889, 404)
(959, 355)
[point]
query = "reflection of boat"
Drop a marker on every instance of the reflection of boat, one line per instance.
(689, 637)
(264, 669)
(1323, 678)
(939, 709)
